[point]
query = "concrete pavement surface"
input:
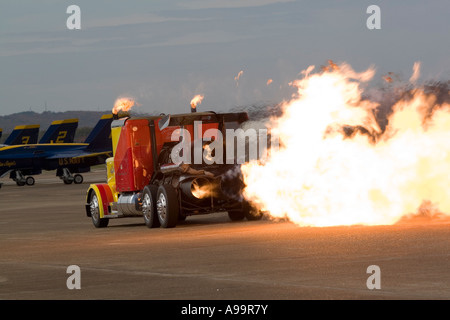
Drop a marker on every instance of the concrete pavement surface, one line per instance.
(44, 230)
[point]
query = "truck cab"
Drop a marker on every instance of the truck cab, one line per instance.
(162, 170)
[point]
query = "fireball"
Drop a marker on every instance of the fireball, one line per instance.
(196, 100)
(123, 104)
(322, 176)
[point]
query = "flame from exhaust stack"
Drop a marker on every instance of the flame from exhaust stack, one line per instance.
(237, 77)
(196, 100)
(201, 191)
(123, 104)
(323, 177)
(416, 72)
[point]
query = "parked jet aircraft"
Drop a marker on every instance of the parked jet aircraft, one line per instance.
(65, 158)
(23, 134)
(60, 131)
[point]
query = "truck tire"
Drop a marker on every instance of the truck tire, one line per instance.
(250, 212)
(236, 215)
(95, 212)
(167, 206)
(149, 206)
(246, 211)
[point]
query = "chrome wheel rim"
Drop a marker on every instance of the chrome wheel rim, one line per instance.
(162, 206)
(146, 206)
(95, 211)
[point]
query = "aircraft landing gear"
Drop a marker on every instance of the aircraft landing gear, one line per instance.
(29, 181)
(68, 178)
(20, 179)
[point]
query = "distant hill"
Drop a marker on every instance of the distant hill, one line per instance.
(86, 121)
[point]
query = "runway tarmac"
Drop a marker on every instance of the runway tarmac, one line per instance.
(44, 230)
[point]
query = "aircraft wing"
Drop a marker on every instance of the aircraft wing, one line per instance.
(95, 154)
(78, 154)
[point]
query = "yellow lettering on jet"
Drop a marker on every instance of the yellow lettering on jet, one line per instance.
(7, 164)
(68, 161)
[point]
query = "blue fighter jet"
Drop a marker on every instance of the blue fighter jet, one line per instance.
(23, 161)
(23, 134)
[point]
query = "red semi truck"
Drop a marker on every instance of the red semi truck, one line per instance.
(144, 181)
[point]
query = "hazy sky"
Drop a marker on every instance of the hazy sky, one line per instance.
(164, 52)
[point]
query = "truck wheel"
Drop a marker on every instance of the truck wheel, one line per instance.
(95, 212)
(167, 206)
(236, 215)
(250, 212)
(149, 206)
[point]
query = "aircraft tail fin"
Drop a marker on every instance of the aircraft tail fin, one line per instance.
(100, 136)
(60, 131)
(25, 134)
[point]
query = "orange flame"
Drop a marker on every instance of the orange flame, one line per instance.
(237, 77)
(416, 72)
(196, 100)
(269, 81)
(387, 79)
(320, 177)
(201, 191)
(123, 104)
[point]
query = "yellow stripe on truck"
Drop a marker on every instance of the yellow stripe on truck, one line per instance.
(99, 198)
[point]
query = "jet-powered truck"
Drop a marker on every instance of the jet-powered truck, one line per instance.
(143, 180)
